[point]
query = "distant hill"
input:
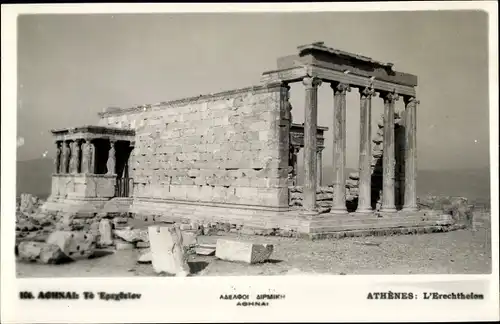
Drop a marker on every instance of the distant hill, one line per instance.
(34, 176)
(473, 184)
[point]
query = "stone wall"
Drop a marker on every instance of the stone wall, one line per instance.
(82, 186)
(229, 148)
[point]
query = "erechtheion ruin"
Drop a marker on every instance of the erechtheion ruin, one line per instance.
(231, 157)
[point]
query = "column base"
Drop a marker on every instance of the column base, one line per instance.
(410, 208)
(364, 210)
(388, 209)
(309, 212)
(338, 210)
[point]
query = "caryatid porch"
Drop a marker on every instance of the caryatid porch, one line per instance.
(91, 162)
(316, 64)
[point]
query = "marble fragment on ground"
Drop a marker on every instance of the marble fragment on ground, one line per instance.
(145, 257)
(75, 245)
(167, 252)
(121, 245)
(40, 252)
(204, 251)
(105, 232)
(239, 251)
(132, 235)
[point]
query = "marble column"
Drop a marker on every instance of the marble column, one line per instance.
(410, 190)
(319, 159)
(111, 164)
(389, 160)
(75, 156)
(339, 147)
(310, 128)
(66, 151)
(57, 159)
(365, 151)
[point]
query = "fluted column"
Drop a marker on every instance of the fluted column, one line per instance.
(111, 164)
(319, 153)
(365, 151)
(310, 129)
(410, 194)
(66, 151)
(339, 147)
(389, 161)
(57, 159)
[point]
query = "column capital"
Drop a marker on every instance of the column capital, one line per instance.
(411, 100)
(340, 87)
(311, 82)
(319, 149)
(367, 92)
(389, 95)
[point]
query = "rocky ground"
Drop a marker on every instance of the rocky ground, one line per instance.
(457, 252)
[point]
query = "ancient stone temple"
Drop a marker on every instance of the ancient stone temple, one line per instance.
(231, 157)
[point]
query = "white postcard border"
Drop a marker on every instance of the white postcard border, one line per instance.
(308, 298)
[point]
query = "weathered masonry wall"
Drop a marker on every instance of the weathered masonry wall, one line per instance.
(223, 148)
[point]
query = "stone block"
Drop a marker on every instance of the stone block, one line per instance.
(167, 253)
(142, 245)
(145, 257)
(40, 252)
(204, 251)
(132, 235)
(121, 245)
(105, 233)
(189, 238)
(75, 245)
(239, 251)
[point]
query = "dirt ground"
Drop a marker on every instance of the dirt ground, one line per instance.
(457, 252)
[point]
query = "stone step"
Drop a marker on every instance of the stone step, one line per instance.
(379, 225)
(373, 220)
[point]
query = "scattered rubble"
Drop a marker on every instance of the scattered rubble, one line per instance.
(123, 245)
(458, 207)
(75, 245)
(40, 252)
(132, 235)
(142, 245)
(243, 251)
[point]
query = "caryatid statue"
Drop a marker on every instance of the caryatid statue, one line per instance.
(111, 164)
(86, 156)
(75, 157)
(57, 159)
(65, 157)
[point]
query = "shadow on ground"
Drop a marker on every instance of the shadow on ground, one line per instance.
(197, 266)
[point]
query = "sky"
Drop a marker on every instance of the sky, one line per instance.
(70, 67)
